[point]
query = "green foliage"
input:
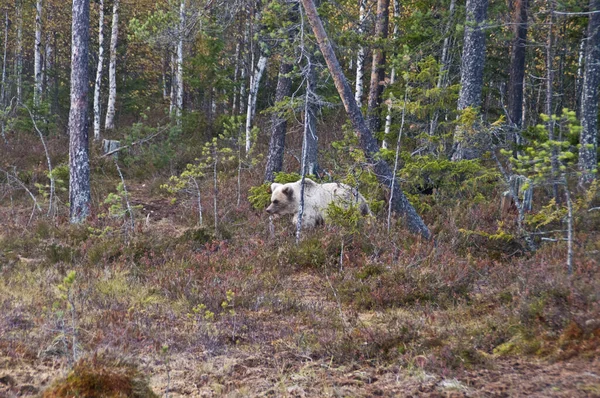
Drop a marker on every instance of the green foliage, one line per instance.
(60, 174)
(346, 215)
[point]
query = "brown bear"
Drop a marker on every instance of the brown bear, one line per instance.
(285, 199)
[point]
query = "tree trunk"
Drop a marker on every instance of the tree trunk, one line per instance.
(368, 143)
(471, 72)
(549, 97)
(579, 78)
(47, 68)
(444, 61)
(179, 62)
(517, 67)
(378, 67)
(98, 83)
(236, 72)
(19, 52)
(37, 63)
(278, 123)
(109, 123)
(79, 163)
(310, 162)
(360, 56)
(388, 118)
(588, 162)
(3, 88)
(254, 82)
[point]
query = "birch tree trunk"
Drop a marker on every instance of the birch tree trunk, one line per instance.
(98, 82)
(388, 118)
(254, 82)
(471, 72)
(109, 123)
(179, 63)
(236, 72)
(588, 162)
(549, 97)
(517, 67)
(278, 124)
(47, 65)
(19, 52)
(378, 67)
(579, 78)
(79, 163)
(368, 143)
(360, 56)
(37, 63)
(3, 88)
(243, 72)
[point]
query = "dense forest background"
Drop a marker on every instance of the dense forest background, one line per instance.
(139, 140)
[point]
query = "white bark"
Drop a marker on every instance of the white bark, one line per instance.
(254, 82)
(235, 79)
(37, 63)
(98, 83)
(109, 123)
(19, 52)
(173, 93)
(179, 62)
(3, 88)
(388, 118)
(360, 56)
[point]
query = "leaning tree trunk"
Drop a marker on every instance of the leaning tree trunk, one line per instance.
(360, 56)
(368, 143)
(254, 82)
(471, 72)
(517, 67)
(310, 164)
(378, 68)
(109, 123)
(37, 63)
(79, 163)
(98, 83)
(588, 162)
(278, 123)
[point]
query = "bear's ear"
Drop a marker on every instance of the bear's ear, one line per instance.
(274, 186)
(289, 192)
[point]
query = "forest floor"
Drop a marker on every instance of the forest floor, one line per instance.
(246, 314)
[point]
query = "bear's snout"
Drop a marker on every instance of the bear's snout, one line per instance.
(270, 209)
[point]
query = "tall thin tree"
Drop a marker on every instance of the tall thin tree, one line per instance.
(98, 82)
(109, 123)
(588, 162)
(517, 66)
(37, 63)
(378, 67)
(79, 163)
(360, 56)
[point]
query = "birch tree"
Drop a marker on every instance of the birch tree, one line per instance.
(388, 118)
(109, 123)
(3, 88)
(37, 63)
(252, 93)
(79, 163)
(179, 63)
(360, 56)
(471, 71)
(19, 51)
(98, 82)
(382, 170)
(588, 162)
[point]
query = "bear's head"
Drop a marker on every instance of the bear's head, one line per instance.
(282, 199)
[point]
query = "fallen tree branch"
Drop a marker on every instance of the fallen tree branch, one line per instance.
(138, 142)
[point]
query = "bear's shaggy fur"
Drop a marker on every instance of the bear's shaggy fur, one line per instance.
(285, 199)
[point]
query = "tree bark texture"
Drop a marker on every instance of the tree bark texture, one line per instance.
(3, 88)
(311, 140)
(388, 117)
(368, 143)
(378, 67)
(278, 124)
(79, 163)
(517, 65)
(19, 51)
(360, 56)
(180, 62)
(98, 82)
(109, 123)
(588, 162)
(254, 83)
(471, 71)
(37, 63)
